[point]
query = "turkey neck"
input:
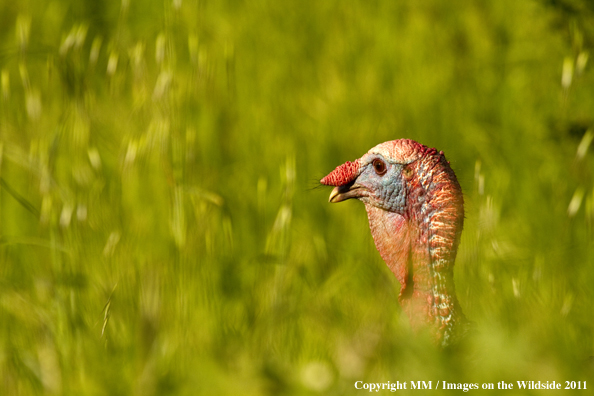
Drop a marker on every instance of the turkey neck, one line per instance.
(420, 245)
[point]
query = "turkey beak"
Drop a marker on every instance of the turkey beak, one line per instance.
(342, 193)
(343, 178)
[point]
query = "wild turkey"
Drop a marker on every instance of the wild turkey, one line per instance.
(416, 212)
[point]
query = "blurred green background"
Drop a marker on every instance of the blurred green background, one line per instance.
(161, 228)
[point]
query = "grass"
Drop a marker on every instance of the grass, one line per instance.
(160, 229)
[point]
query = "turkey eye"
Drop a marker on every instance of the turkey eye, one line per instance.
(379, 166)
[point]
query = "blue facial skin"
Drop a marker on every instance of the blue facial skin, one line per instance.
(387, 191)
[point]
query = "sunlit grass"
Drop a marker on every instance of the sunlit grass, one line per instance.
(160, 232)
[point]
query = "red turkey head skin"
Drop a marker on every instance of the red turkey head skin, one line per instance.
(416, 212)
